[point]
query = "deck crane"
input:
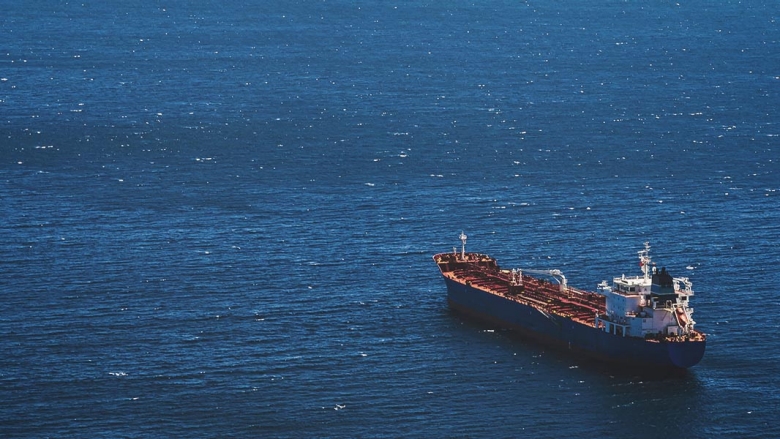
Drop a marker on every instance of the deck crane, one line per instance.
(555, 274)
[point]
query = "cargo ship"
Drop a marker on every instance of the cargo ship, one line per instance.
(643, 320)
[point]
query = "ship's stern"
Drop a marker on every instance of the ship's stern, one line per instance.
(686, 354)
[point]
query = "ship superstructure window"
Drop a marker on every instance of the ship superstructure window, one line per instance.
(627, 288)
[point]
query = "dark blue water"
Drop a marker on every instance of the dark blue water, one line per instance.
(218, 217)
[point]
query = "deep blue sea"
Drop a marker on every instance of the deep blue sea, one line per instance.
(217, 217)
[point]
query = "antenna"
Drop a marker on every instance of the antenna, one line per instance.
(463, 248)
(644, 260)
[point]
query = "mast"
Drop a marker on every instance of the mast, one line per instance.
(463, 247)
(644, 260)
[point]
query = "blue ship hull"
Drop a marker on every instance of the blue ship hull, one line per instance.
(564, 332)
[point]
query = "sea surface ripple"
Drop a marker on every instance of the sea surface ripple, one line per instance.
(218, 218)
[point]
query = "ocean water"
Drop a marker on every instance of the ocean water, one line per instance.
(218, 217)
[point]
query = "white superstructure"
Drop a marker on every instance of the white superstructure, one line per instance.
(654, 305)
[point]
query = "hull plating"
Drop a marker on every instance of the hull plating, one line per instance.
(569, 334)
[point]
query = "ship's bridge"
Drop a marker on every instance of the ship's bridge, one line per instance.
(655, 304)
(627, 295)
(630, 286)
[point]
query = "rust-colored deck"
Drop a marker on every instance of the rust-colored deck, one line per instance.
(482, 272)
